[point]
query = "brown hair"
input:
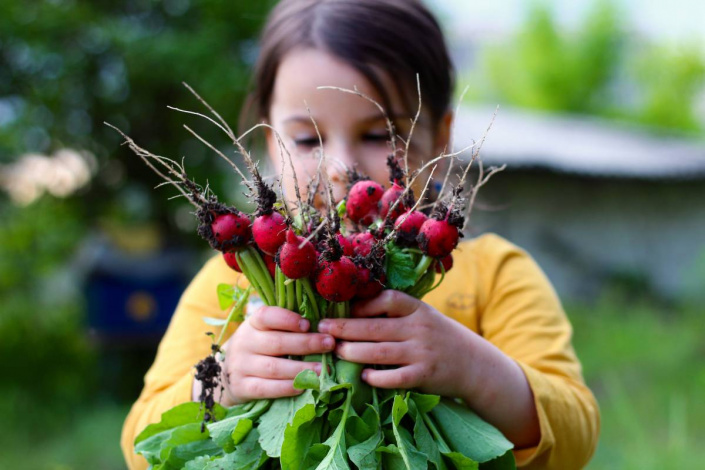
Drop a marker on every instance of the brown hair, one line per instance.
(399, 37)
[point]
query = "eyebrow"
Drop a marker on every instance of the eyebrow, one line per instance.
(371, 118)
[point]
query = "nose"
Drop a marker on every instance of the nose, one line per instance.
(341, 156)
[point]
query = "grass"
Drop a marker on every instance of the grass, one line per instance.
(644, 361)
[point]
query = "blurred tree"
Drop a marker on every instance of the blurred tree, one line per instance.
(66, 67)
(542, 68)
(671, 81)
(597, 69)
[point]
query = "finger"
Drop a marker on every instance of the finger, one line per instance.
(267, 367)
(410, 376)
(278, 343)
(392, 303)
(281, 319)
(374, 353)
(365, 329)
(256, 388)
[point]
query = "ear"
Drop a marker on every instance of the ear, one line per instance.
(443, 133)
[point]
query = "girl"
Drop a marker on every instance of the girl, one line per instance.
(493, 334)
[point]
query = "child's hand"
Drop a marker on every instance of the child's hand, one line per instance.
(253, 367)
(432, 350)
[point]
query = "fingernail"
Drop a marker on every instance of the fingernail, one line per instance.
(318, 368)
(364, 375)
(304, 325)
(328, 342)
(324, 326)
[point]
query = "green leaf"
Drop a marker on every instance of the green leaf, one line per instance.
(307, 379)
(304, 431)
(247, 456)
(273, 423)
(185, 413)
(503, 462)
(400, 268)
(425, 403)
(422, 436)
(364, 454)
(460, 461)
(341, 208)
(467, 433)
(413, 459)
(226, 296)
(231, 430)
(336, 457)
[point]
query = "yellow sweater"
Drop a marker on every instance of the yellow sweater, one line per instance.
(494, 288)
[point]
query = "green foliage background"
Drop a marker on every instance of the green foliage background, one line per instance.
(600, 68)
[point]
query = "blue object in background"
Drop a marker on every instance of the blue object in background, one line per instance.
(131, 298)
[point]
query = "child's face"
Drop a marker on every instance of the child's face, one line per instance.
(353, 130)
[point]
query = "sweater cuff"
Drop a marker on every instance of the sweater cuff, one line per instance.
(541, 389)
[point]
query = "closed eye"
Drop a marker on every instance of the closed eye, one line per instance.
(376, 138)
(307, 143)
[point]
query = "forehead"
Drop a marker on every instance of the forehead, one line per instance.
(302, 71)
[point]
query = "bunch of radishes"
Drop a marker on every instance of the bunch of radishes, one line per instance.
(286, 258)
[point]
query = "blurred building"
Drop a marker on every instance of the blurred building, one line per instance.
(595, 202)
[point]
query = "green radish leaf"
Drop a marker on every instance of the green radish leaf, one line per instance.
(425, 442)
(273, 423)
(503, 462)
(364, 453)
(413, 459)
(460, 461)
(425, 403)
(304, 431)
(214, 321)
(467, 433)
(399, 409)
(307, 379)
(226, 296)
(199, 463)
(393, 461)
(230, 431)
(176, 446)
(341, 208)
(185, 413)
(400, 268)
(247, 456)
(336, 457)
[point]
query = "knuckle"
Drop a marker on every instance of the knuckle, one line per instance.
(270, 367)
(276, 344)
(257, 389)
(381, 354)
(407, 378)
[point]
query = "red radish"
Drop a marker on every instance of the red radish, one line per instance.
(231, 260)
(269, 232)
(231, 228)
(437, 238)
(296, 262)
(271, 264)
(337, 281)
(368, 286)
(346, 244)
(408, 225)
(446, 262)
(361, 204)
(390, 196)
(363, 243)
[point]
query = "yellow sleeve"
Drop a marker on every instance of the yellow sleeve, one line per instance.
(521, 314)
(170, 379)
